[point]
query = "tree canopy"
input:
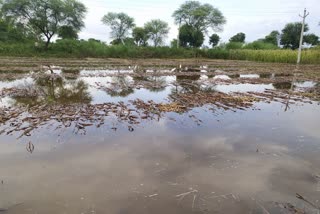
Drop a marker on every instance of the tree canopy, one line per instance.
(140, 36)
(290, 37)
(239, 37)
(67, 32)
(11, 32)
(272, 37)
(46, 16)
(120, 24)
(199, 16)
(190, 36)
(311, 39)
(214, 39)
(157, 30)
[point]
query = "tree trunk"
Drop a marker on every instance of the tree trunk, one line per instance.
(47, 42)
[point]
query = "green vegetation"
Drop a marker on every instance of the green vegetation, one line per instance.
(190, 37)
(67, 32)
(214, 40)
(140, 36)
(239, 37)
(45, 17)
(94, 48)
(234, 45)
(196, 20)
(272, 38)
(120, 24)
(311, 39)
(260, 45)
(290, 37)
(157, 30)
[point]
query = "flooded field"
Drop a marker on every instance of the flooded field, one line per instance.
(112, 136)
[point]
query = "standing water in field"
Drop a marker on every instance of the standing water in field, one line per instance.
(117, 141)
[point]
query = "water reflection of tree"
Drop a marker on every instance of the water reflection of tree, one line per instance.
(152, 83)
(234, 76)
(121, 86)
(266, 75)
(70, 74)
(189, 84)
(282, 85)
(54, 89)
(11, 76)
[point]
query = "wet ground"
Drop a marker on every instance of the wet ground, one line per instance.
(175, 139)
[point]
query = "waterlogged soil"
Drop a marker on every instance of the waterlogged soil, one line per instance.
(141, 138)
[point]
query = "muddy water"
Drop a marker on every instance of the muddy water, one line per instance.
(205, 160)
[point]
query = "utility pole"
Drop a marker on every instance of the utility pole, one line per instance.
(305, 14)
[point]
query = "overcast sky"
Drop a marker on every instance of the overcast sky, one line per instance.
(255, 18)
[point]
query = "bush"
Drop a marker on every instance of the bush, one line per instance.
(234, 45)
(260, 45)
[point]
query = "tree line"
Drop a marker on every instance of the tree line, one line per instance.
(42, 20)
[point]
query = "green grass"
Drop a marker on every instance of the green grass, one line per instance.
(91, 48)
(282, 56)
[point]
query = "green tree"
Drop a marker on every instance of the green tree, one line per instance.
(290, 37)
(272, 37)
(3, 31)
(239, 37)
(190, 36)
(157, 30)
(46, 17)
(140, 36)
(120, 24)
(214, 39)
(199, 16)
(67, 32)
(14, 32)
(311, 39)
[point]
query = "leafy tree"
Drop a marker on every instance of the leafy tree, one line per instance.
(272, 37)
(239, 37)
(190, 36)
(290, 37)
(120, 24)
(3, 30)
(199, 16)
(67, 32)
(13, 32)
(140, 36)
(157, 30)
(214, 39)
(311, 39)
(46, 16)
